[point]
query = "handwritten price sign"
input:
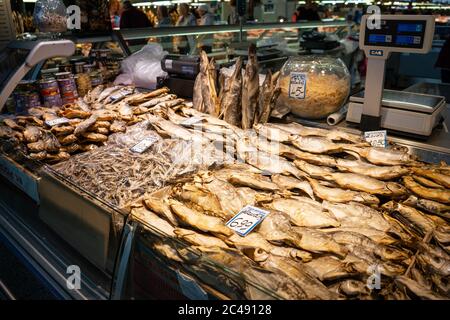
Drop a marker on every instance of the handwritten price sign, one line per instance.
(246, 220)
(297, 85)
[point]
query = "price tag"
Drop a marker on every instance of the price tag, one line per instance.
(169, 64)
(57, 121)
(297, 85)
(191, 121)
(376, 138)
(246, 220)
(144, 144)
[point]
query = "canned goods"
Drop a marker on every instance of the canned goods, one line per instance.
(25, 101)
(96, 78)
(67, 88)
(83, 81)
(88, 68)
(49, 90)
(26, 96)
(67, 67)
(49, 73)
(63, 75)
(79, 67)
(11, 105)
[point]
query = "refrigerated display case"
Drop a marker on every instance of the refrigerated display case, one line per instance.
(53, 223)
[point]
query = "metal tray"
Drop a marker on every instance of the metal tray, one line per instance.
(417, 102)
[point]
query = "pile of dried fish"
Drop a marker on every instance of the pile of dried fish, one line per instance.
(87, 123)
(240, 102)
(343, 214)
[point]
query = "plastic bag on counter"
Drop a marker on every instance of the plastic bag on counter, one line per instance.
(143, 67)
(50, 16)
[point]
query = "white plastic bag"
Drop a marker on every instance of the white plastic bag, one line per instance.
(143, 67)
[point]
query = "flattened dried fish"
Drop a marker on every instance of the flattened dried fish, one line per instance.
(377, 172)
(383, 156)
(94, 137)
(118, 126)
(437, 177)
(32, 134)
(440, 195)
(359, 182)
(304, 212)
(84, 126)
(429, 206)
(198, 239)
(426, 182)
(341, 195)
(62, 130)
(316, 144)
(71, 138)
(153, 220)
(198, 220)
(291, 183)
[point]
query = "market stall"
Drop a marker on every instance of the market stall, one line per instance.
(221, 197)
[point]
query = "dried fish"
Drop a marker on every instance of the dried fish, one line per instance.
(250, 89)
(231, 102)
(439, 195)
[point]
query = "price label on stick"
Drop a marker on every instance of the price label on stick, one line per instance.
(144, 144)
(57, 121)
(376, 138)
(246, 220)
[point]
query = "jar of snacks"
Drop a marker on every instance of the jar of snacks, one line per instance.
(50, 16)
(83, 81)
(313, 87)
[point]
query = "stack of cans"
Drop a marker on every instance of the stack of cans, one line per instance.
(50, 94)
(26, 96)
(67, 87)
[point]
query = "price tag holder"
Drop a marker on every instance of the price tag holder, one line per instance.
(246, 220)
(191, 121)
(143, 145)
(297, 85)
(57, 121)
(376, 138)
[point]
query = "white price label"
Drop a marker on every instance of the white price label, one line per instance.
(169, 64)
(57, 121)
(376, 138)
(297, 85)
(144, 144)
(246, 220)
(191, 121)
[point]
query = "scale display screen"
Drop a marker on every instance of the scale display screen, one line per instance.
(396, 33)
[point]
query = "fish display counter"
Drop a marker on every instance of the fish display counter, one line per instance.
(223, 198)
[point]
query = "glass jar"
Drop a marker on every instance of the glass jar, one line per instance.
(313, 87)
(50, 16)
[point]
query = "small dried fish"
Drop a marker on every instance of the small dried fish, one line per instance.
(85, 125)
(32, 134)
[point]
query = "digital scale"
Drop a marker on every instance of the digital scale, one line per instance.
(181, 73)
(376, 108)
(20, 56)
